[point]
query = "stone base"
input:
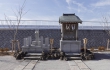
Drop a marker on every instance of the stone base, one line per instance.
(35, 49)
(69, 46)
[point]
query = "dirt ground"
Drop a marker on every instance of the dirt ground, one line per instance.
(6, 53)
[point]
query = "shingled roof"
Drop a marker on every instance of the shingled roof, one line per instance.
(69, 18)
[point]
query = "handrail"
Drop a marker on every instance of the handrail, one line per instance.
(49, 24)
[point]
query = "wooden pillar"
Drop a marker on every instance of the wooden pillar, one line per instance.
(51, 42)
(85, 42)
(12, 46)
(18, 45)
(108, 41)
(76, 28)
(62, 32)
(14, 42)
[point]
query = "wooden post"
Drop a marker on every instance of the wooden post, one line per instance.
(51, 42)
(76, 27)
(12, 46)
(14, 42)
(108, 41)
(85, 42)
(18, 45)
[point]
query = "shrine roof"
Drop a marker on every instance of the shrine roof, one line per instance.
(69, 18)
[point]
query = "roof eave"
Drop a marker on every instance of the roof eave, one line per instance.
(71, 22)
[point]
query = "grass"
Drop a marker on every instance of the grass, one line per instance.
(5, 51)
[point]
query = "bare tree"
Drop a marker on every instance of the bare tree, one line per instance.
(19, 13)
(106, 25)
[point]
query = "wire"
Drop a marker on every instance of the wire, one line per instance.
(57, 21)
(96, 21)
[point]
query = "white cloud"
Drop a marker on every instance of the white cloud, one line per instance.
(68, 1)
(72, 8)
(79, 6)
(101, 3)
(69, 6)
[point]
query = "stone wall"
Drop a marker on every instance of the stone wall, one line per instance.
(95, 37)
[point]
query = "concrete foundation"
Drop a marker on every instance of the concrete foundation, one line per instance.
(69, 46)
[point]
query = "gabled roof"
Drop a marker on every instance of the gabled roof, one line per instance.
(69, 18)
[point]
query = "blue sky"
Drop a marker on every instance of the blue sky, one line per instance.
(87, 10)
